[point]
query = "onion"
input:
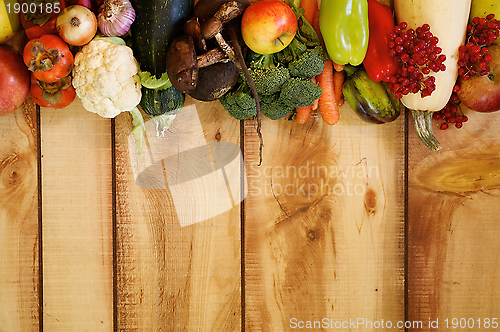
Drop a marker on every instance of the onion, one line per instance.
(115, 17)
(76, 25)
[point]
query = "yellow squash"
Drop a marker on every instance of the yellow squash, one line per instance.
(9, 20)
(448, 22)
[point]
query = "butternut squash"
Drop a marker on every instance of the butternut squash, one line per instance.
(448, 22)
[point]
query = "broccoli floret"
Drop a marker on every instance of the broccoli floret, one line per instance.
(302, 61)
(273, 108)
(304, 57)
(309, 64)
(239, 103)
(267, 74)
(299, 92)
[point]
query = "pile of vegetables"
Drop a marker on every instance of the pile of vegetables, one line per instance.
(119, 55)
(75, 49)
(284, 80)
(63, 54)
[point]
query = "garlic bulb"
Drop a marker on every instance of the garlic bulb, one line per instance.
(115, 17)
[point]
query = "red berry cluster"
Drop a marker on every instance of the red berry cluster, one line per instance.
(450, 113)
(473, 60)
(474, 55)
(418, 54)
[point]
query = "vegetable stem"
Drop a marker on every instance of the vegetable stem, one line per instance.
(423, 125)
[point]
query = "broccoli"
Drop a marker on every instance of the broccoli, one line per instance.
(239, 103)
(299, 92)
(303, 61)
(304, 57)
(273, 108)
(267, 74)
(309, 64)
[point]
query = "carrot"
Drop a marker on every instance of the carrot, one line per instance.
(304, 113)
(315, 25)
(338, 67)
(328, 106)
(310, 7)
(315, 105)
(338, 82)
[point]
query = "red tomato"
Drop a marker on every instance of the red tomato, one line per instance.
(40, 17)
(49, 58)
(56, 95)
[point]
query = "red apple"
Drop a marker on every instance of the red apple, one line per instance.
(14, 80)
(482, 93)
(268, 26)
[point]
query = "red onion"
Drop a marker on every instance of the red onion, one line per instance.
(115, 17)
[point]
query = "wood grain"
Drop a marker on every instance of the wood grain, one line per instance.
(318, 241)
(76, 220)
(324, 224)
(173, 278)
(19, 265)
(453, 227)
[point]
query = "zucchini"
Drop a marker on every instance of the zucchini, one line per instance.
(157, 23)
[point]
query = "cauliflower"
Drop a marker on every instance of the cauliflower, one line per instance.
(105, 78)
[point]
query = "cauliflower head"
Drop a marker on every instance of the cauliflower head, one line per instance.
(105, 78)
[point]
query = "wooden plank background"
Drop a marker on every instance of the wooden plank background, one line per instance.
(352, 226)
(453, 223)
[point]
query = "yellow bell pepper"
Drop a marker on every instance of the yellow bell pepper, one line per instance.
(344, 27)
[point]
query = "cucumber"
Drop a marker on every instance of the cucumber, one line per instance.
(157, 23)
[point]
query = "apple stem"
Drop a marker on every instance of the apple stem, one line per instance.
(281, 42)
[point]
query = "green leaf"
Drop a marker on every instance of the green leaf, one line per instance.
(52, 98)
(138, 128)
(151, 82)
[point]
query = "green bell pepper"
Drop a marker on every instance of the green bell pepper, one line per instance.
(344, 27)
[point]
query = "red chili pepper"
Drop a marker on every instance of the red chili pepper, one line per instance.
(378, 64)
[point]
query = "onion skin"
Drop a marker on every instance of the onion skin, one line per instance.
(76, 25)
(115, 17)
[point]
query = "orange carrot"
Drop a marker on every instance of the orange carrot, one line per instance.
(310, 7)
(338, 67)
(338, 82)
(303, 113)
(315, 105)
(327, 104)
(315, 25)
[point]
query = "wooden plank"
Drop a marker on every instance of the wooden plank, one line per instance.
(77, 220)
(171, 277)
(324, 224)
(454, 233)
(19, 266)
